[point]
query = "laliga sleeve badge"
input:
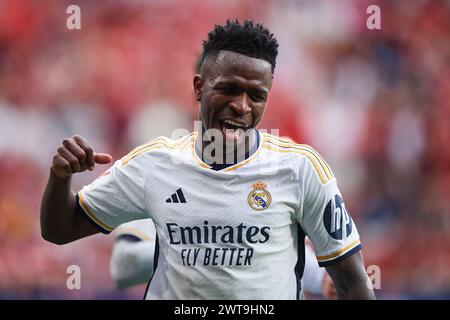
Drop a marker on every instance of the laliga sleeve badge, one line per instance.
(259, 198)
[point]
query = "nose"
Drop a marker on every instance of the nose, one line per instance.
(241, 104)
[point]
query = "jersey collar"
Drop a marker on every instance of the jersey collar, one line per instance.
(229, 166)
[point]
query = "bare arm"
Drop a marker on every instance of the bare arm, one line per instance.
(61, 221)
(351, 279)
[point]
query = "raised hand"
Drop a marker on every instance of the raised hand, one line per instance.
(76, 155)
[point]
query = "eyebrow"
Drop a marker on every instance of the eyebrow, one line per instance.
(235, 83)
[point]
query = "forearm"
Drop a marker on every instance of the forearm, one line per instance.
(58, 210)
(61, 222)
(355, 290)
(351, 279)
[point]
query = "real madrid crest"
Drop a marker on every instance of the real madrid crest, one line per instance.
(259, 198)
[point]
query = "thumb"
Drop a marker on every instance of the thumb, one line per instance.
(102, 158)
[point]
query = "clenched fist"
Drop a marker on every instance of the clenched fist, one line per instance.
(76, 155)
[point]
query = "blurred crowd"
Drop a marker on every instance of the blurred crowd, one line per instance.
(374, 103)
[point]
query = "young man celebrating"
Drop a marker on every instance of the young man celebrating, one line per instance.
(230, 224)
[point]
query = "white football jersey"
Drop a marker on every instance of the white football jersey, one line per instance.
(132, 258)
(234, 233)
(143, 230)
(313, 275)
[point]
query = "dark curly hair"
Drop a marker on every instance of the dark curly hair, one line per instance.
(248, 38)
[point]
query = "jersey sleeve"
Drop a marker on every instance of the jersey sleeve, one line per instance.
(141, 230)
(132, 262)
(323, 215)
(116, 197)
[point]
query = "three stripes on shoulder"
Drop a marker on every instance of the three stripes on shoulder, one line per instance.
(270, 142)
(286, 145)
(158, 143)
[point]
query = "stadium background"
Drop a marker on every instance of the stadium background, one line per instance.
(375, 103)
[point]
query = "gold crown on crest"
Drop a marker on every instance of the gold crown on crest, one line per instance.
(259, 185)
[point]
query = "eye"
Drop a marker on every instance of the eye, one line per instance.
(258, 97)
(227, 90)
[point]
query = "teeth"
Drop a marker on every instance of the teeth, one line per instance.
(233, 123)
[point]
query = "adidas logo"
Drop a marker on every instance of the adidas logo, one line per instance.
(177, 197)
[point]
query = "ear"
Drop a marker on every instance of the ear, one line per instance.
(198, 83)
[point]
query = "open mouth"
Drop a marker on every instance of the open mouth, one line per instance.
(232, 130)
